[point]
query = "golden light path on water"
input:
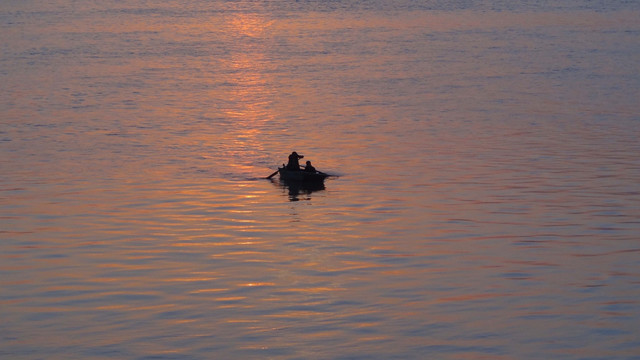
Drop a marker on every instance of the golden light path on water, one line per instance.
(250, 90)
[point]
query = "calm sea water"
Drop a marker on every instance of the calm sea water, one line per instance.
(487, 204)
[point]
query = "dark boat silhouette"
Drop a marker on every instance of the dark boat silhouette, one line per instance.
(301, 176)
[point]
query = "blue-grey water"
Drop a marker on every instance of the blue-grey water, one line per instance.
(487, 204)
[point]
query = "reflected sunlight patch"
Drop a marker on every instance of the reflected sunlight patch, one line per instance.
(204, 291)
(230, 298)
(257, 284)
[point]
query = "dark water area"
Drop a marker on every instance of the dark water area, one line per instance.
(486, 203)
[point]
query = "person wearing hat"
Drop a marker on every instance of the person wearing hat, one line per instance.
(293, 164)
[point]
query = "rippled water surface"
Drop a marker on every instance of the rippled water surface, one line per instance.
(487, 203)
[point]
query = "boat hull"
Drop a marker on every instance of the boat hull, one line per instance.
(301, 176)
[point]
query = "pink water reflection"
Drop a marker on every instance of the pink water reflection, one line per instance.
(486, 206)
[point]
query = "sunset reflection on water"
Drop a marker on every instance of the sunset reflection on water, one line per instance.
(485, 204)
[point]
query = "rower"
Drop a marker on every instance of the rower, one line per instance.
(293, 161)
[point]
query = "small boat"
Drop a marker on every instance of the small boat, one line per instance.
(301, 176)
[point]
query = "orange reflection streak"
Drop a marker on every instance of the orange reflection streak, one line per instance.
(252, 25)
(257, 284)
(250, 93)
(201, 291)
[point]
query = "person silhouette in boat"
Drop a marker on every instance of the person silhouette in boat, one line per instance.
(309, 167)
(293, 163)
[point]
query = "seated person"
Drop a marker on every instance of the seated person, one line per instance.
(309, 167)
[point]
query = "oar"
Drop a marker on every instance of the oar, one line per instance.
(272, 175)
